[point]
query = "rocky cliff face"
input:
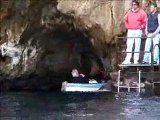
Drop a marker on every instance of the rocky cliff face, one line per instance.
(102, 17)
(47, 39)
(100, 20)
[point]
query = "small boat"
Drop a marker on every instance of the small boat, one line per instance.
(83, 87)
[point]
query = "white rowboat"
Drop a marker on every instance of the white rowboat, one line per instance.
(80, 87)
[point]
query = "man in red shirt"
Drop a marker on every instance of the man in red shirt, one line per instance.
(135, 22)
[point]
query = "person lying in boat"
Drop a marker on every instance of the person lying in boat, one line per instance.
(78, 77)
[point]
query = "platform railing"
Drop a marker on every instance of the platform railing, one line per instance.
(159, 51)
(151, 51)
(156, 61)
(139, 72)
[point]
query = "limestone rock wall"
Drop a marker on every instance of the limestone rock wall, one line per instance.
(100, 19)
(48, 38)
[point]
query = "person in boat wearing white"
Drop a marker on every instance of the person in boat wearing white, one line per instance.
(135, 21)
(153, 33)
(78, 77)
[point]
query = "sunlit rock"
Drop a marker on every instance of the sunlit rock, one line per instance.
(100, 19)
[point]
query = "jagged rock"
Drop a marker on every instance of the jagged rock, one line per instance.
(54, 36)
(100, 19)
(45, 44)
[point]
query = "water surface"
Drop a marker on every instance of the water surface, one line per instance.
(78, 106)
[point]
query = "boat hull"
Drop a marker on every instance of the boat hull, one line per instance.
(78, 87)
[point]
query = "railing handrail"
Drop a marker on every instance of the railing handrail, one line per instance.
(151, 51)
(135, 52)
(134, 37)
(155, 46)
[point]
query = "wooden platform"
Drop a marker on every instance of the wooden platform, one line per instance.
(137, 65)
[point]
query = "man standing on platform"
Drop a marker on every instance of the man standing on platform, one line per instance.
(153, 33)
(135, 21)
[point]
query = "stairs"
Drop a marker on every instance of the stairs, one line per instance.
(128, 86)
(149, 72)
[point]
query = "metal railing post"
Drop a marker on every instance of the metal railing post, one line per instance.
(119, 77)
(152, 67)
(139, 82)
(117, 61)
(159, 54)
